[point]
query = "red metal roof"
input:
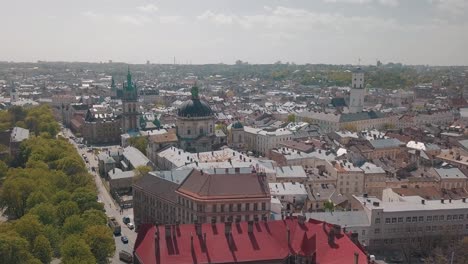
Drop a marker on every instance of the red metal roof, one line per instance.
(267, 242)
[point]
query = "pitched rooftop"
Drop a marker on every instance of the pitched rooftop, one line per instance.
(244, 242)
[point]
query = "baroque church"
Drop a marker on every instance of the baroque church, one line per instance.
(196, 124)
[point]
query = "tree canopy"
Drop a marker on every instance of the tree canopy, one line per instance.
(50, 198)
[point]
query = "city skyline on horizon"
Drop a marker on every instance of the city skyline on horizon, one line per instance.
(339, 32)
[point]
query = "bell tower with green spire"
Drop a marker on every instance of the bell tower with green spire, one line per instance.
(130, 105)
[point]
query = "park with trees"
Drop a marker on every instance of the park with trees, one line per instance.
(49, 198)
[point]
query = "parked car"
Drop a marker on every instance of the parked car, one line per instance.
(124, 239)
(130, 225)
(126, 219)
(125, 256)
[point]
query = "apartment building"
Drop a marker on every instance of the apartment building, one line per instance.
(188, 196)
(451, 177)
(290, 157)
(397, 220)
(374, 179)
(349, 178)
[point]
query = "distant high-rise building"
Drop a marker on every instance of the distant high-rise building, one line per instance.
(357, 93)
(130, 105)
(13, 93)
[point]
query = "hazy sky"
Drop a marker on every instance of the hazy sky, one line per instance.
(258, 31)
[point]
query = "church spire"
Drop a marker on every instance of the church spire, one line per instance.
(195, 93)
(129, 80)
(113, 84)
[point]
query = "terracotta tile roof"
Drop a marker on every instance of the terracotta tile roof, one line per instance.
(164, 138)
(268, 242)
(209, 186)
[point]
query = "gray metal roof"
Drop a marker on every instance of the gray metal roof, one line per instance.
(119, 174)
(175, 176)
(347, 218)
(386, 143)
(350, 117)
(135, 157)
(19, 134)
(450, 173)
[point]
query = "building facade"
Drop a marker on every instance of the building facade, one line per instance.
(358, 92)
(130, 114)
(196, 124)
(101, 128)
(189, 196)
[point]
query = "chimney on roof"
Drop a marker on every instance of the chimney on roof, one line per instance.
(198, 228)
(227, 227)
(337, 229)
(156, 242)
(167, 229)
(179, 152)
(356, 258)
(250, 226)
(191, 241)
(301, 219)
(355, 238)
(331, 236)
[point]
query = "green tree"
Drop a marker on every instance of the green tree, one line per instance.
(61, 196)
(329, 206)
(71, 165)
(73, 225)
(14, 194)
(17, 114)
(85, 198)
(13, 248)
(140, 171)
(75, 251)
(292, 118)
(54, 237)
(35, 198)
(29, 227)
(3, 171)
(101, 242)
(42, 249)
(46, 213)
(94, 217)
(140, 143)
(66, 209)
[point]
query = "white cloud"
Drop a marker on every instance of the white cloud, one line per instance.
(456, 7)
(349, 1)
(219, 18)
(171, 19)
(90, 14)
(300, 21)
(391, 3)
(137, 20)
(149, 8)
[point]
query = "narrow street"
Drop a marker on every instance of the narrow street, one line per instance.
(104, 196)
